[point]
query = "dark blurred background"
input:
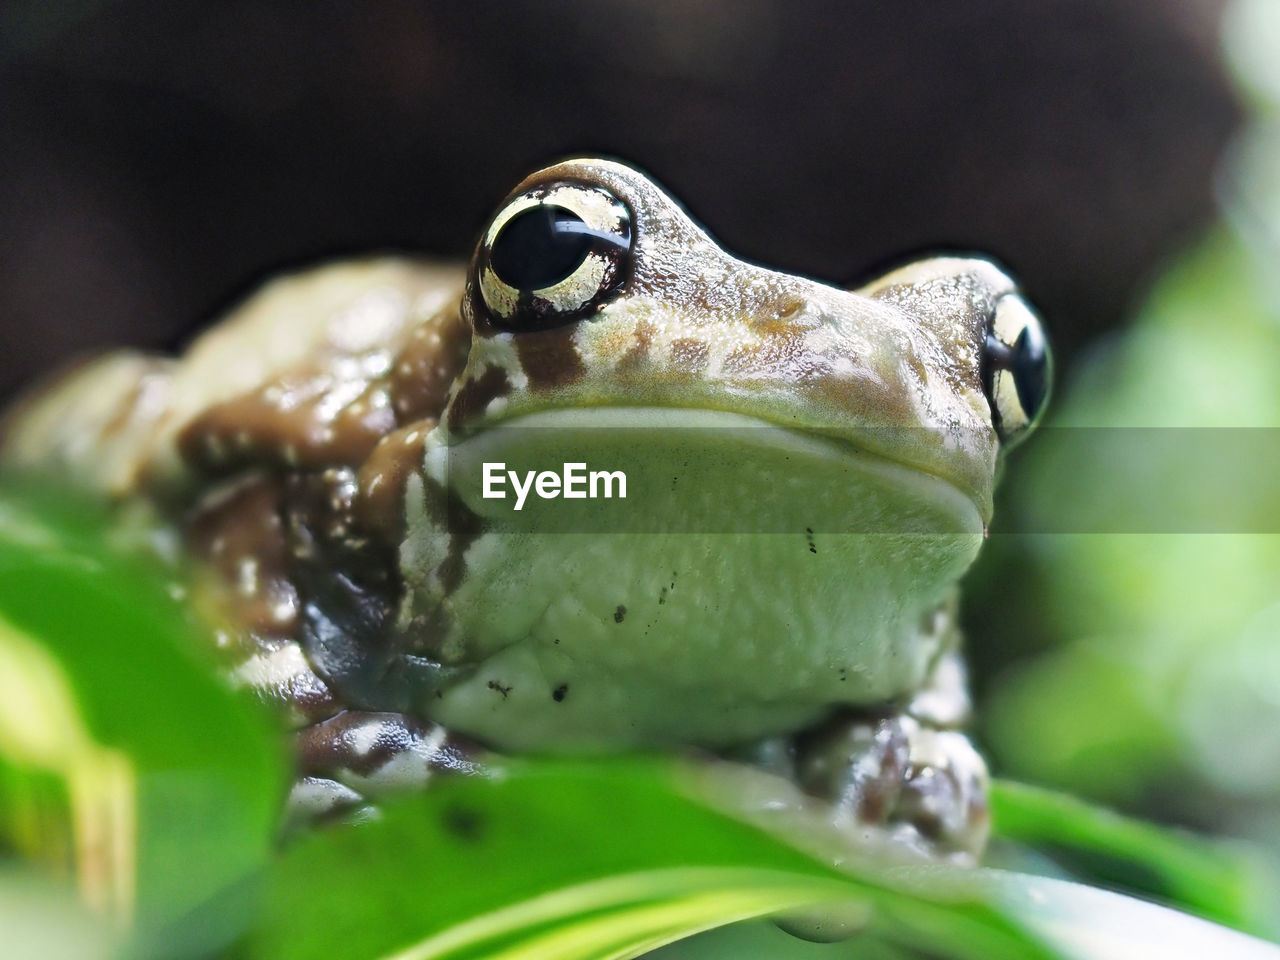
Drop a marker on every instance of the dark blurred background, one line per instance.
(159, 158)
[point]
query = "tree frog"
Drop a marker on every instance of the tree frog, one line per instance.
(809, 472)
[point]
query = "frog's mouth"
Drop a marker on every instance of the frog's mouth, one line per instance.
(658, 469)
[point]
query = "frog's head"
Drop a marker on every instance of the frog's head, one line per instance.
(591, 289)
(859, 431)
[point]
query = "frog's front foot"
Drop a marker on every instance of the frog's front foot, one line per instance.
(925, 786)
(351, 759)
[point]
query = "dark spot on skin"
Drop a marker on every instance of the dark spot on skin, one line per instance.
(462, 524)
(463, 822)
(348, 594)
(662, 596)
(495, 685)
(620, 614)
(808, 532)
(673, 482)
(421, 636)
(556, 641)
(844, 674)
(549, 358)
(559, 692)
(477, 394)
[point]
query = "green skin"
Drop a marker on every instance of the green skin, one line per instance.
(809, 473)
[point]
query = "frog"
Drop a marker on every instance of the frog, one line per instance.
(811, 473)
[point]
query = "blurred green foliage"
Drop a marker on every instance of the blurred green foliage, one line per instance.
(1129, 651)
(1150, 673)
(126, 765)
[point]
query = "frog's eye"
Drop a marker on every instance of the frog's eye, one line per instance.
(553, 255)
(1017, 369)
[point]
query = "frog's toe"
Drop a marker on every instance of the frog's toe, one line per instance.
(924, 786)
(943, 799)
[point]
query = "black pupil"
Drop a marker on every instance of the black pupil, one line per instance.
(539, 247)
(1030, 368)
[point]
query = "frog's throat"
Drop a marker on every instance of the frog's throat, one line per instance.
(730, 451)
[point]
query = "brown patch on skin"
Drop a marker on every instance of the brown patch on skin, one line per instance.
(383, 478)
(504, 690)
(746, 359)
(620, 614)
(308, 695)
(471, 400)
(784, 351)
(289, 422)
(301, 693)
(461, 524)
(690, 355)
(428, 365)
(559, 693)
(639, 353)
(549, 358)
(422, 635)
(283, 425)
(455, 566)
(326, 747)
(918, 367)
(240, 535)
(323, 506)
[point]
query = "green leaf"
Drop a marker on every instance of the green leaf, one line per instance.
(120, 750)
(610, 859)
(41, 920)
(1212, 879)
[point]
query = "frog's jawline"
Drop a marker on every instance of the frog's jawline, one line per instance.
(966, 512)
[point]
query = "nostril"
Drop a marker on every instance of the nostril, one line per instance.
(789, 306)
